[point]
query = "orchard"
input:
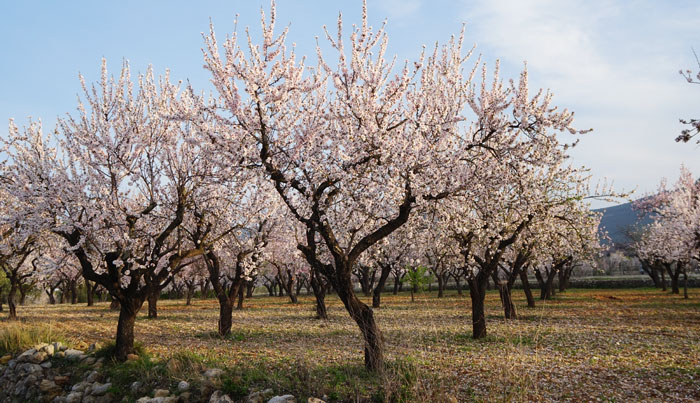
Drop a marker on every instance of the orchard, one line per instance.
(323, 189)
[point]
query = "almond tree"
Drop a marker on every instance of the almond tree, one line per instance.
(673, 238)
(337, 143)
(18, 245)
(121, 184)
(352, 146)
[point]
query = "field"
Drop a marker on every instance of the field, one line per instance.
(608, 345)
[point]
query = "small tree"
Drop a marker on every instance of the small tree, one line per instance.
(418, 278)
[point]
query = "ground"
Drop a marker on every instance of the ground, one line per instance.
(609, 345)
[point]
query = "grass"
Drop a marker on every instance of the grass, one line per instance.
(16, 336)
(640, 345)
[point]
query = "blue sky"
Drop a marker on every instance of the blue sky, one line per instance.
(615, 63)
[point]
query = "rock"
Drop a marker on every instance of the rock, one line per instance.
(61, 380)
(315, 400)
(88, 361)
(40, 346)
(58, 346)
(74, 397)
(93, 377)
(94, 346)
(108, 398)
(46, 364)
(173, 399)
(283, 399)
(38, 357)
(59, 354)
(49, 349)
(185, 397)
(80, 387)
(260, 396)
(72, 354)
(147, 399)
(25, 356)
(31, 368)
(213, 373)
(136, 387)
(219, 397)
(47, 386)
(100, 389)
(183, 386)
(5, 359)
(132, 357)
(161, 393)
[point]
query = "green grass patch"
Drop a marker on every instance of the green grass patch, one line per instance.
(17, 337)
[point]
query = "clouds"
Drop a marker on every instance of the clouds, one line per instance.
(397, 10)
(613, 62)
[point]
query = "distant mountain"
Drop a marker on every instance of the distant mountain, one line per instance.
(618, 219)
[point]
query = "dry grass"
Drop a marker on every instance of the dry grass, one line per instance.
(612, 345)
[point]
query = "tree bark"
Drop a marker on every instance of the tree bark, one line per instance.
(377, 293)
(526, 288)
(114, 305)
(663, 280)
(241, 295)
(319, 288)
(397, 282)
(73, 292)
(441, 286)
(685, 284)
(125, 329)
(89, 289)
(674, 278)
(153, 295)
(458, 282)
(11, 301)
(189, 294)
(22, 294)
(364, 317)
(477, 292)
(225, 315)
(52, 299)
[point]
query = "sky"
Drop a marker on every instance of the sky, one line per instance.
(615, 63)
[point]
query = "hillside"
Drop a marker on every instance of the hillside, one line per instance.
(617, 219)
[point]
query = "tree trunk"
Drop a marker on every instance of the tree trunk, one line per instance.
(73, 292)
(52, 299)
(397, 282)
(249, 288)
(114, 305)
(441, 286)
(674, 278)
(22, 295)
(125, 329)
(459, 286)
(477, 292)
(190, 293)
(507, 299)
(685, 284)
(377, 293)
(11, 302)
(319, 289)
(225, 315)
(241, 295)
(527, 289)
(364, 317)
(89, 289)
(153, 296)
(663, 280)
